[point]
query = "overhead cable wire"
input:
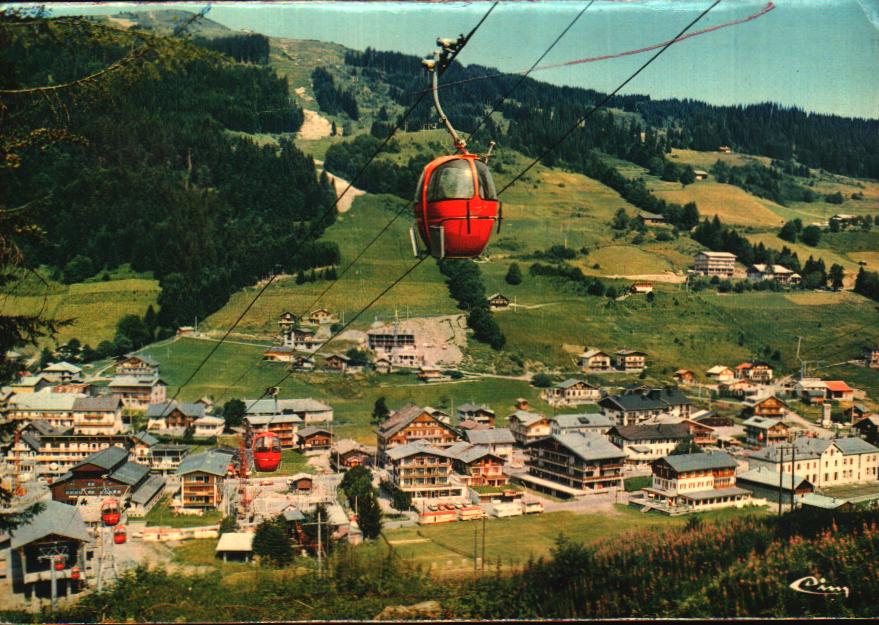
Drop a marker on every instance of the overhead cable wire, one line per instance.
(608, 97)
(343, 328)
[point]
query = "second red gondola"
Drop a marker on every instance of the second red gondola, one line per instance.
(110, 512)
(266, 452)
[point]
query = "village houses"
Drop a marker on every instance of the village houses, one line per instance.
(757, 372)
(423, 471)
(868, 429)
(110, 473)
(314, 437)
(765, 431)
(721, 373)
(528, 426)
(498, 441)
(478, 413)
(61, 373)
(138, 393)
(693, 482)
(587, 423)
(498, 301)
(629, 360)
(137, 366)
(646, 442)
(636, 405)
(824, 462)
(412, 424)
(476, 464)
(571, 392)
(764, 484)
(775, 273)
(201, 480)
(594, 360)
(569, 465)
(768, 407)
(714, 264)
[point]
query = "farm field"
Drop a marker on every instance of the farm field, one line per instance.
(94, 307)
(514, 540)
(423, 292)
(162, 515)
(706, 325)
(734, 206)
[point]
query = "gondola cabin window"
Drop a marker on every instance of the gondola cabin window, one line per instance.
(451, 181)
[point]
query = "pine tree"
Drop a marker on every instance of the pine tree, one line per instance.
(369, 516)
(272, 543)
(514, 274)
(836, 275)
(380, 411)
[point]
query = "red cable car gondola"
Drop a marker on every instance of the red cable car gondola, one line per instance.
(456, 204)
(59, 563)
(119, 535)
(266, 451)
(110, 513)
(74, 573)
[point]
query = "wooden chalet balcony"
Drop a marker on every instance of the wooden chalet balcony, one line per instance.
(199, 488)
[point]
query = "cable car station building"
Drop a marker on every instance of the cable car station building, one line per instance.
(51, 546)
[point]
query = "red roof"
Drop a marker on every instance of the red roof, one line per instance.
(744, 365)
(838, 386)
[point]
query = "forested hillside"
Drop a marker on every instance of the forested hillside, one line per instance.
(837, 144)
(149, 175)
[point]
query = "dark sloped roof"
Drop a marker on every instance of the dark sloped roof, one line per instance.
(646, 432)
(210, 462)
(108, 458)
(311, 429)
(699, 462)
(588, 447)
(130, 473)
(492, 436)
(148, 489)
(631, 401)
(56, 518)
(108, 403)
(196, 410)
(146, 438)
(671, 395)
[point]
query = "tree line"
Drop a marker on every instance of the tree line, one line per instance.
(465, 286)
(333, 99)
(838, 144)
(244, 48)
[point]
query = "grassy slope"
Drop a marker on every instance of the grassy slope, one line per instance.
(95, 307)
(514, 540)
(236, 370)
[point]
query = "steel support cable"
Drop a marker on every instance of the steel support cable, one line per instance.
(344, 327)
(607, 98)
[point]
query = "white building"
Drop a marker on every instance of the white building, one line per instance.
(824, 462)
(715, 264)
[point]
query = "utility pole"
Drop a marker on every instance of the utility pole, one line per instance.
(483, 542)
(52, 557)
(100, 575)
(780, 476)
(475, 537)
(320, 568)
(793, 451)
